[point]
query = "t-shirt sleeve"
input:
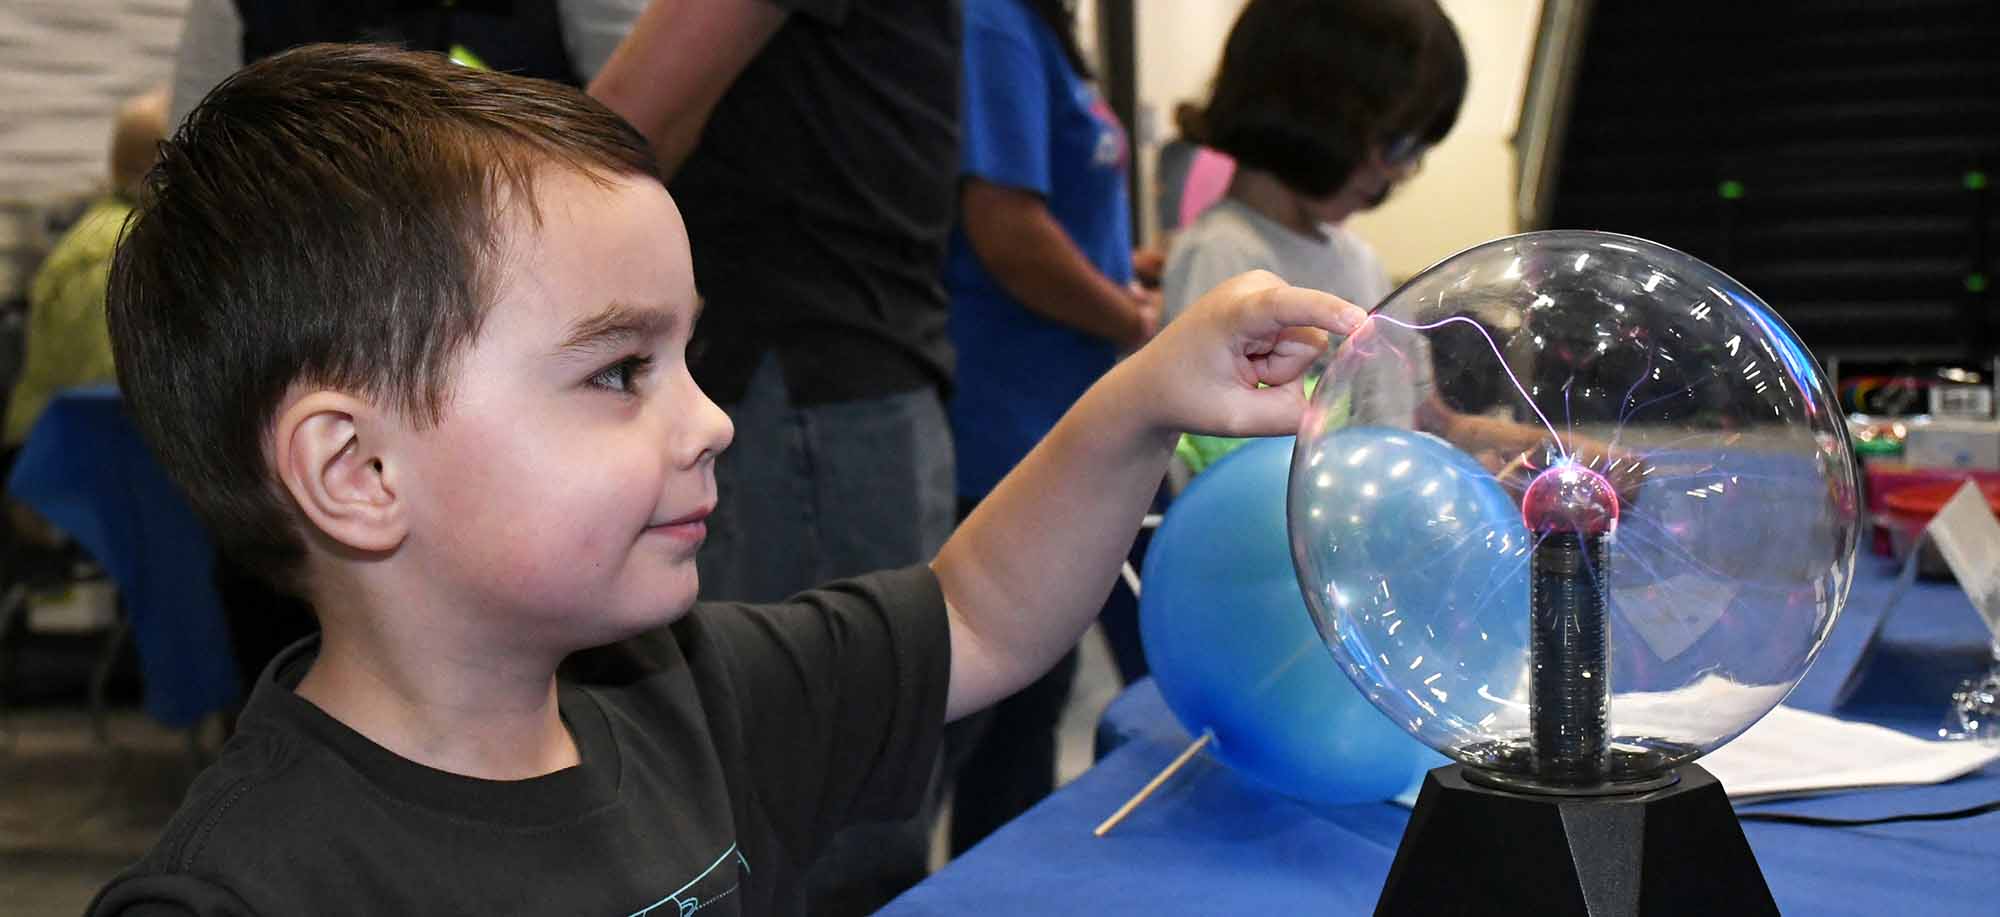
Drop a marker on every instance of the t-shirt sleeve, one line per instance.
(1004, 131)
(167, 895)
(840, 692)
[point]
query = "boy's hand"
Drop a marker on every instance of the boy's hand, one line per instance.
(1026, 572)
(1233, 365)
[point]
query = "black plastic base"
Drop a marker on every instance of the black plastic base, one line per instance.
(1472, 849)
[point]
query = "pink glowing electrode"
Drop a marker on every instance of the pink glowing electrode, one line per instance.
(1568, 497)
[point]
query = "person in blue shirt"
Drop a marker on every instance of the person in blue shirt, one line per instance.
(1042, 304)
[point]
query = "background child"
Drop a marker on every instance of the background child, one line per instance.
(411, 336)
(1324, 107)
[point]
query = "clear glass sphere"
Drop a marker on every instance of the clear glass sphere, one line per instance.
(1573, 508)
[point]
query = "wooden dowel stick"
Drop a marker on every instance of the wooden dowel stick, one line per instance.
(1186, 755)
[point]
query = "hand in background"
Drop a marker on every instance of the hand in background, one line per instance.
(1148, 303)
(1148, 266)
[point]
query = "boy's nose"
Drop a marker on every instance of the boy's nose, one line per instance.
(713, 429)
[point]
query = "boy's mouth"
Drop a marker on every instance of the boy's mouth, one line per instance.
(692, 526)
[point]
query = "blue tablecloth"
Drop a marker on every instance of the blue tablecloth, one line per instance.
(85, 469)
(1211, 843)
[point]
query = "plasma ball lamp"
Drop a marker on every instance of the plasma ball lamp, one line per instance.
(1687, 526)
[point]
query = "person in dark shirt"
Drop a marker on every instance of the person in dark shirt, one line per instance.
(411, 337)
(812, 147)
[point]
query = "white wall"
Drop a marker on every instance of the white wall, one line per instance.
(65, 66)
(1465, 193)
(1177, 44)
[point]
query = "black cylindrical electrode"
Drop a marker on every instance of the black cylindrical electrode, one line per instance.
(1572, 510)
(1570, 651)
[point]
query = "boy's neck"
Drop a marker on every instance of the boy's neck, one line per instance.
(476, 715)
(1264, 193)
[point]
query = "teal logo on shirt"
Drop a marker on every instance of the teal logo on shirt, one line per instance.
(715, 883)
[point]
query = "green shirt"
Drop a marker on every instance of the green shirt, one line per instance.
(1198, 452)
(67, 342)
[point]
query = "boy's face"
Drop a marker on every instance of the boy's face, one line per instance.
(564, 491)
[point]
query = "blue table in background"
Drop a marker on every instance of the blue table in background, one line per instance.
(1211, 843)
(85, 469)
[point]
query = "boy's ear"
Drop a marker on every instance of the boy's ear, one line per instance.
(328, 450)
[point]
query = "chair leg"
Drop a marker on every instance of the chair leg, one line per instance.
(13, 608)
(100, 679)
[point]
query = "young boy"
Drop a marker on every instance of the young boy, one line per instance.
(411, 338)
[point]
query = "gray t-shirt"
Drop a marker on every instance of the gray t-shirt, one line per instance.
(1230, 239)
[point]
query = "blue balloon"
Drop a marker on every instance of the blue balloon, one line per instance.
(1235, 651)
(1418, 562)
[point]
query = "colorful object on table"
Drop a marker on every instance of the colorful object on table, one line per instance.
(1877, 439)
(1907, 511)
(1235, 653)
(1883, 478)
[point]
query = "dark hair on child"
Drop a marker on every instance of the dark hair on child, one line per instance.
(330, 216)
(1441, 79)
(1307, 89)
(1060, 17)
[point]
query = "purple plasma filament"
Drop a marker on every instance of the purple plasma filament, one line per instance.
(1568, 497)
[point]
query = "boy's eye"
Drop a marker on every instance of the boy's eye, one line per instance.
(622, 376)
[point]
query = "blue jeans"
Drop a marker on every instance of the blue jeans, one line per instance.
(809, 494)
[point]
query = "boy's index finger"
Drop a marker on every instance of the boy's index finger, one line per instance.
(1292, 306)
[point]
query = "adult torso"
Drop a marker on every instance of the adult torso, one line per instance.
(819, 200)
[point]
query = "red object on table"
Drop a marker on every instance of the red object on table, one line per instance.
(1885, 480)
(1910, 509)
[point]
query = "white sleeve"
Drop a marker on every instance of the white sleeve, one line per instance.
(592, 29)
(211, 49)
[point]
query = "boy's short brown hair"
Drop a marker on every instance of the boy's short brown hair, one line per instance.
(330, 216)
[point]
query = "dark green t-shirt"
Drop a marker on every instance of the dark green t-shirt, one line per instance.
(718, 754)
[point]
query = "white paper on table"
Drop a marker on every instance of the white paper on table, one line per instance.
(1793, 752)
(1969, 538)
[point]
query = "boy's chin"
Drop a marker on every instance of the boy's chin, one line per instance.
(611, 629)
(664, 607)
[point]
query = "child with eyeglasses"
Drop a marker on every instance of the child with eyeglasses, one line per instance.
(1325, 107)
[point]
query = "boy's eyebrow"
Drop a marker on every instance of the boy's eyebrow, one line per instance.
(619, 323)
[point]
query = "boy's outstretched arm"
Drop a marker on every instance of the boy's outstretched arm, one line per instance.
(1026, 573)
